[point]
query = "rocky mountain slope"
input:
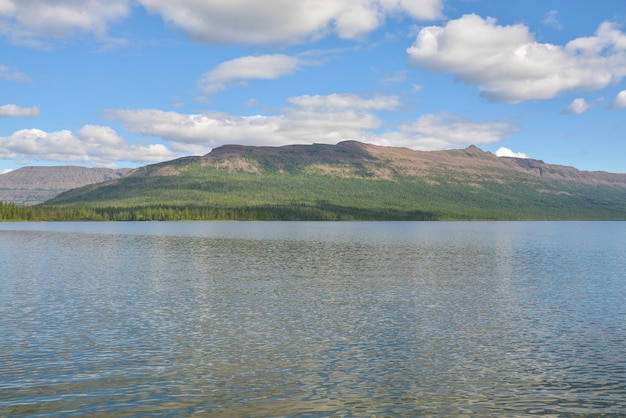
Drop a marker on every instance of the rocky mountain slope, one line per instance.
(356, 159)
(353, 180)
(33, 185)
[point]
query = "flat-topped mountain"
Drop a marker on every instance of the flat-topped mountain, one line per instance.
(353, 180)
(33, 185)
(356, 159)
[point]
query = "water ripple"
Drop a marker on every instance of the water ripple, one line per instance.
(369, 320)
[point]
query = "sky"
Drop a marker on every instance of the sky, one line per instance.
(125, 83)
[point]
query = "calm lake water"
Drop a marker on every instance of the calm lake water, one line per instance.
(313, 319)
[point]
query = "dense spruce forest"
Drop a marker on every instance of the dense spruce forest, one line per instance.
(348, 181)
(11, 212)
(324, 199)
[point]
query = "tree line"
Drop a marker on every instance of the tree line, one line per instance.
(322, 211)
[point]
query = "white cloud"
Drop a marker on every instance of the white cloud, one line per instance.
(263, 67)
(338, 102)
(305, 120)
(578, 106)
(252, 22)
(506, 152)
(620, 100)
(509, 65)
(12, 111)
(282, 21)
(6, 7)
(27, 22)
(7, 74)
(417, 9)
(6, 170)
(444, 131)
(552, 20)
(91, 145)
(309, 119)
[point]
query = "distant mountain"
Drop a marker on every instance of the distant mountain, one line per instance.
(353, 180)
(33, 185)
(356, 159)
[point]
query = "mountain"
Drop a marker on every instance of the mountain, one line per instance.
(353, 180)
(33, 185)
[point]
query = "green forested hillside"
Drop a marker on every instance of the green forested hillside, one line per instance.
(350, 182)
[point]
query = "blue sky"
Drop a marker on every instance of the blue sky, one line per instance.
(124, 83)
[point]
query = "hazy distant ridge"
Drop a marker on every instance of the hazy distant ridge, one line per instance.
(32, 185)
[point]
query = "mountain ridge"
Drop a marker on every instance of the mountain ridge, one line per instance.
(353, 180)
(32, 185)
(350, 152)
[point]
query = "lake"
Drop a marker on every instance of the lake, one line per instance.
(313, 319)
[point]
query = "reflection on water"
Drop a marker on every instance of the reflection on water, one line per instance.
(313, 319)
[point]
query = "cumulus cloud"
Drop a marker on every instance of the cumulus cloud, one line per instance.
(506, 152)
(252, 22)
(282, 21)
(13, 111)
(91, 145)
(444, 131)
(620, 100)
(27, 22)
(239, 70)
(6, 7)
(305, 119)
(508, 65)
(578, 106)
(309, 119)
(338, 102)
